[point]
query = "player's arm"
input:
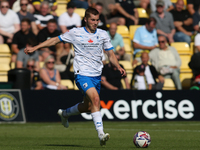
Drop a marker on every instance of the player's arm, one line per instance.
(47, 43)
(114, 61)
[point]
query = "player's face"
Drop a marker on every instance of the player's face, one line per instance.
(92, 22)
(25, 26)
(4, 7)
(23, 5)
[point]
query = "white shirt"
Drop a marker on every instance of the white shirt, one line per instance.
(197, 40)
(140, 82)
(148, 75)
(8, 21)
(42, 20)
(88, 49)
(66, 20)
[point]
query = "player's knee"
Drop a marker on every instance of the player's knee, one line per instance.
(96, 101)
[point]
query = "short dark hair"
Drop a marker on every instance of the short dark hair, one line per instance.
(32, 41)
(100, 4)
(89, 11)
(26, 20)
(52, 21)
(70, 5)
(151, 19)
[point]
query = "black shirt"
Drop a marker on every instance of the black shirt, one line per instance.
(44, 34)
(127, 5)
(112, 76)
(195, 3)
(21, 39)
(35, 79)
(182, 16)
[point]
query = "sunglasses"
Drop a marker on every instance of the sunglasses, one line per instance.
(28, 66)
(23, 4)
(50, 62)
(4, 6)
(161, 41)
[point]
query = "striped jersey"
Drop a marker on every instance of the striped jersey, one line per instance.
(88, 48)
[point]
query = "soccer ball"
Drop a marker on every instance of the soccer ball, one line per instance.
(142, 139)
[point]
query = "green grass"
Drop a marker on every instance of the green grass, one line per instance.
(82, 136)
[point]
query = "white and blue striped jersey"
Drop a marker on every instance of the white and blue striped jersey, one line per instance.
(88, 49)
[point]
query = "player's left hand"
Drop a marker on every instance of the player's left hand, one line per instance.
(123, 72)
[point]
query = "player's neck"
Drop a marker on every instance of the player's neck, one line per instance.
(89, 30)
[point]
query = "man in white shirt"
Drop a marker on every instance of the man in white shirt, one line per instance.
(69, 19)
(89, 43)
(9, 23)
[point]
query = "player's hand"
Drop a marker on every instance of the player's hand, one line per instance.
(122, 71)
(29, 50)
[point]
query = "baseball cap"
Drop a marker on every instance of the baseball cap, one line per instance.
(141, 68)
(70, 5)
(160, 3)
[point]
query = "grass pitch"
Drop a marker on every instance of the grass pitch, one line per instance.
(82, 136)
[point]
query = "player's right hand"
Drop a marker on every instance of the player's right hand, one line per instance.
(29, 50)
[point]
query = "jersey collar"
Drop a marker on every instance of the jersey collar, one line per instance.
(89, 32)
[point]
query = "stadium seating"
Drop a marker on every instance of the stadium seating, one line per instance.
(169, 84)
(142, 13)
(186, 80)
(68, 83)
(123, 30)
(12, 65)
(41, 64)
(3, 78)
(80, 12)
(182, 48)
(127, 41)
(132, 30)
(4, 50)
(127, 66)
(61, 9)
(192, 47)
(185, 59)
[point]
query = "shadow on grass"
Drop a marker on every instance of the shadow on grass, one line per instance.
(66, 145)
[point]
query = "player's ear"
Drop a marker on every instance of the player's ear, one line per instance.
(85, 19)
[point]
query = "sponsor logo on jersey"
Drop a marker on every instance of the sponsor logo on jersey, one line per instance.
(90, 41)
(9, 107)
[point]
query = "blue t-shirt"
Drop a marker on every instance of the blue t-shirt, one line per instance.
(144, 37)
(117, 40)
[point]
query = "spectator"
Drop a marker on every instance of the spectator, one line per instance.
(193, 6)
(20, 38)
(167, 4)
(22, 58)
(151, 74)
(50, 76)
(145, 39)
(16, 6)
(166, 61)
(196, 20)
(36, 83)
(129, 7)
(46, 33)
(52, 6)
(140, 79)
(9, 23)
(82, 3)
(165, 22)
(183, 23)
(102, 21)
(111, 77)
(44, 16)
(69, 19)
(117, 40)
(142, 3)
(66, 58)
(23, 13)
(197, 41)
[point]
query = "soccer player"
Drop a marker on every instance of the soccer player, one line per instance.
(88, 43)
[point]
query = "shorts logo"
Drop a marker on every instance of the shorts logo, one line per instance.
(85, 85)
(9, 107)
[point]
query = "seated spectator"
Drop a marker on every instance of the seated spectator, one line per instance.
(196, 20)
(165, 21)
(23, 13)
(183, 23)
(111, 77)
(102, 21)
(46, 33)
(142, 3)
(167, 61)
(16, 6)
(117, 40)
(66, 58)
(193, 6)
(168, 6)
(9, 23)
(197, 41)
(150, 73)
(22, 58)
(145, 39)
(36, 83)
(81, 3)
(44, 16)
(51, 77)
(20, 38)
(140, 79)
(52, 6)
(69, 19)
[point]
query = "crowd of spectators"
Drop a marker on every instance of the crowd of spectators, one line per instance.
(31, 22)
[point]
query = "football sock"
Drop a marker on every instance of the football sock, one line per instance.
(71, 111)
(97, 119)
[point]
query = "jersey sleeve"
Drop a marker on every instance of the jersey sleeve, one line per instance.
(137, 38)
(107, 43)
(67, 36)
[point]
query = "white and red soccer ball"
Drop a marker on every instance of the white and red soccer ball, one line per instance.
(142, 139)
